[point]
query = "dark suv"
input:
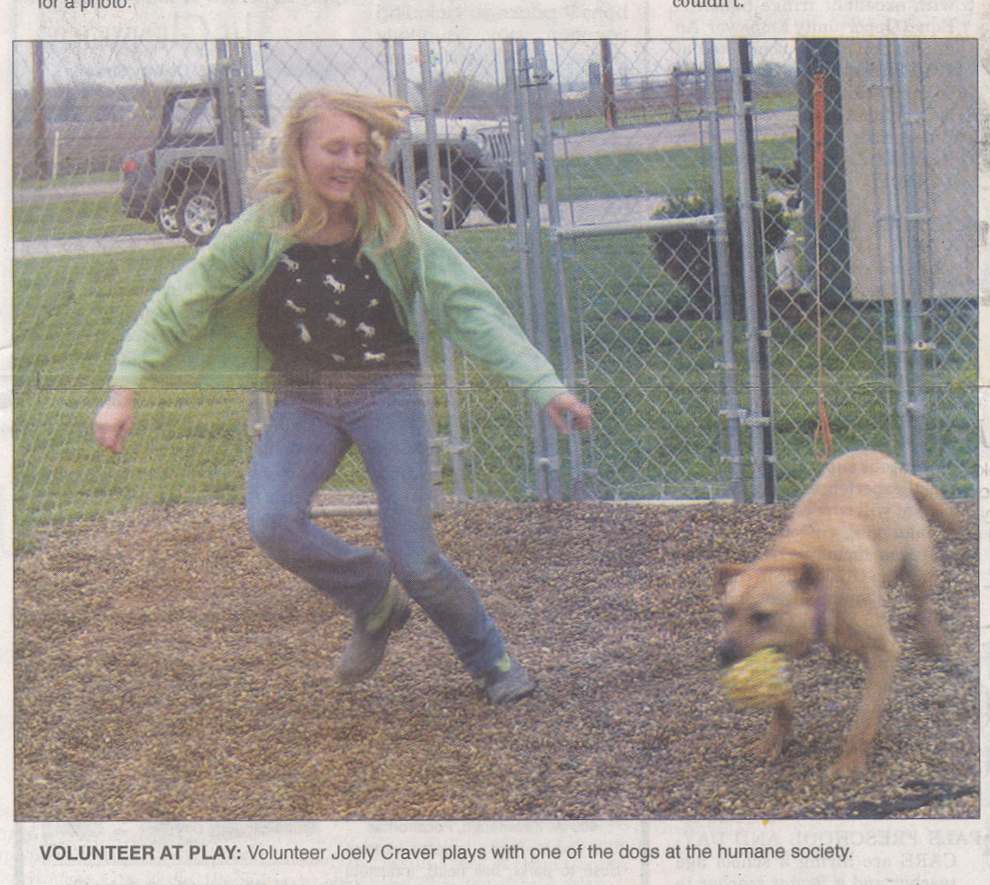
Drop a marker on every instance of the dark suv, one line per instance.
(475, 169)
(180, 183)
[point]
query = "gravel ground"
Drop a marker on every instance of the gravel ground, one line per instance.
(164, 669)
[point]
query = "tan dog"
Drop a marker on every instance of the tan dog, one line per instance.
(857, 530)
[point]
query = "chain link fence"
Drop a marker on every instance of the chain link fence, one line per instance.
(82, 270)
(738, 253)
(874, 331)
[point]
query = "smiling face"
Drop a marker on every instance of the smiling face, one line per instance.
(334, 155)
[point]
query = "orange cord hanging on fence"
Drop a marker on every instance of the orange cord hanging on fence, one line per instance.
(823, 432)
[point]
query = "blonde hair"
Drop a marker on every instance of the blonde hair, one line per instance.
(380, 206)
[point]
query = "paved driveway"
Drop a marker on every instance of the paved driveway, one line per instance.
(57, 193)
(91, 245)
(779, 124)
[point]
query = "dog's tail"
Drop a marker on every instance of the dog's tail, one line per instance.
(934, 506)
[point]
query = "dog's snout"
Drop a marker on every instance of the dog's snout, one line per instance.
(728, 653)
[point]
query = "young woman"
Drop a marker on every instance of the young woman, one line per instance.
(315, 284)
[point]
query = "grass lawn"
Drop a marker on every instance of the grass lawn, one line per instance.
(665, 173)
(78, 217)
(69, 317)
(67, 180)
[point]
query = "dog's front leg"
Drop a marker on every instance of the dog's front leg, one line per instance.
(771, 745)
(880, 662)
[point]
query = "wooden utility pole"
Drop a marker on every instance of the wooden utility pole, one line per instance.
(41, 166)
(608, 85)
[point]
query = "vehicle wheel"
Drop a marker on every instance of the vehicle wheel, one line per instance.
(200, 213)
(167, 219)
(454, 199)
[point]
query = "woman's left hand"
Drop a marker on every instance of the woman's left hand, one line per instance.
(565, 405)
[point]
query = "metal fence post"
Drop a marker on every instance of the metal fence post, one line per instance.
(239, 110)
(522, 243)
(542, 73)
(419, 313)
(731, 412)
(227, 74)
(243, 94)
(756, 348)
(896, 256)
(914, 216)
(528, 214)
(456, 446)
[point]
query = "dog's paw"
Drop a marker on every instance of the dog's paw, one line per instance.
(768, 748)
(849, 765)
(933, 645)
(931, 638)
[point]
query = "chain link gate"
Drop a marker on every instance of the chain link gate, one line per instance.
(652, 352)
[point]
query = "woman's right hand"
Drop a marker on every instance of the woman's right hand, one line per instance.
(114, 419)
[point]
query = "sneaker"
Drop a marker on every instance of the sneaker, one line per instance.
(365, 649)
(506, 682)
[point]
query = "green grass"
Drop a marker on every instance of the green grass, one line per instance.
(71, 312)
(186, 447)
(673, 171)
(78, 217)
(69, 317)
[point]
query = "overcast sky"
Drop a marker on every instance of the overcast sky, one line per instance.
(353, 64)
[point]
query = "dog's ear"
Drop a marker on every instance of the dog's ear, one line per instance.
(726, 572)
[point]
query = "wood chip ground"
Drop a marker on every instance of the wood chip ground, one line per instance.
(165, 670)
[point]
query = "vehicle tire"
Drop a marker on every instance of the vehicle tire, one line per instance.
(454, 198)
(167, 219)
(201, 211)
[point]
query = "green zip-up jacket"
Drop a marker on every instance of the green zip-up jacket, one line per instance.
(200, 328)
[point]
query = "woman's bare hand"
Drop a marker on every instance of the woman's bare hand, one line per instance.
(114, 420)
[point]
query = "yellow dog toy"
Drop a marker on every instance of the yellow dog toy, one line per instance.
(761, 680)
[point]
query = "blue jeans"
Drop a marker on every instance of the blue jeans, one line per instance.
(309, 432)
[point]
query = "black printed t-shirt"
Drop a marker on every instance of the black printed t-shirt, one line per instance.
(325, 309)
